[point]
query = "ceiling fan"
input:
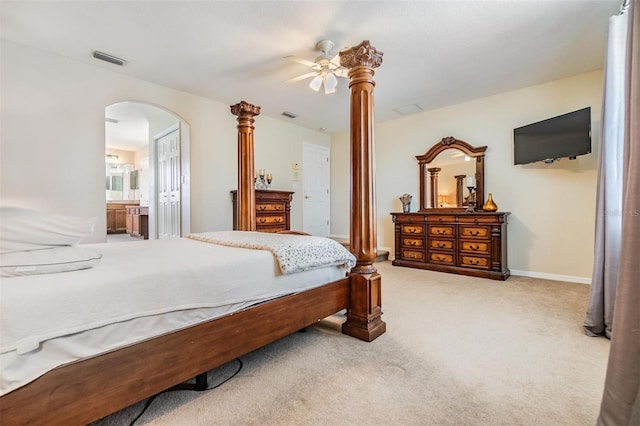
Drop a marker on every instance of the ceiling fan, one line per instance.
(325, 68)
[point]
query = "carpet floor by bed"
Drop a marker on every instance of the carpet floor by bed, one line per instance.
(457, 351)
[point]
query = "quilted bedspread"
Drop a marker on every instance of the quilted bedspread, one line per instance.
(294, 253)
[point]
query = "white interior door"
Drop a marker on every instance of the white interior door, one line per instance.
(315, 185)
(168, 183)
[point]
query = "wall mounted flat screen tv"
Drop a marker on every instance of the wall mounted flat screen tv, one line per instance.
(567, 135)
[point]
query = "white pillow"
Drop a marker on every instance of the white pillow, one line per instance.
(26, 229)
(47, 261)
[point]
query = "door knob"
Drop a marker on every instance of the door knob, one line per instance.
(306, 196)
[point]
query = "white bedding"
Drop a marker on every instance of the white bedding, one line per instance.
(138, 290)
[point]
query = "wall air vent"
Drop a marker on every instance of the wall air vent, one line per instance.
(108, 58)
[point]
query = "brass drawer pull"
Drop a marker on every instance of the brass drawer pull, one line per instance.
(262, 208)
(262, 220)
(474, 247)
(441, 245)
(278, 219)
(474, 233)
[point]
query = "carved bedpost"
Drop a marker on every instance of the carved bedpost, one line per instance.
(363, 317)
(246, 188)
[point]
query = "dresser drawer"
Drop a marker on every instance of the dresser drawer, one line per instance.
(474, 246)
(413, 229)
(272, 229)
(275, 207)
(442, 230)
(412, 242)
(441, 219)
(270, 220)
(474, 261)
(475, 231)
(481, 219)
(441, 244)
(411, 217)
(443, 258)
(412, 255)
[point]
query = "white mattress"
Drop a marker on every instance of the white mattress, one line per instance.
(138, 290)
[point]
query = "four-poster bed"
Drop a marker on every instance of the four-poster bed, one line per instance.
(89, 389)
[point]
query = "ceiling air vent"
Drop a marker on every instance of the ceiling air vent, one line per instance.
(108, 58)
(289, 114)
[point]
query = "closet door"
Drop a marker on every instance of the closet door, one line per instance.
(168, 184)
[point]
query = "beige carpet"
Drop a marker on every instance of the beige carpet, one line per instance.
(457, 351)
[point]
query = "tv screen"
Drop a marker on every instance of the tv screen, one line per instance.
(567, 135)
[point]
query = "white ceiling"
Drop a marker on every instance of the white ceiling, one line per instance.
(436, 53)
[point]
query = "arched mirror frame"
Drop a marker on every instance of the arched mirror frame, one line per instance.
(444, 144)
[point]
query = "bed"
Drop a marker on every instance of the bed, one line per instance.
(136, 366)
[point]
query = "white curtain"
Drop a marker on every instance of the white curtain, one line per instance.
(599, 316)
(621, 395)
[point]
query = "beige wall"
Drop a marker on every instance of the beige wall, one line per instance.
(52, 139)
(550, 231)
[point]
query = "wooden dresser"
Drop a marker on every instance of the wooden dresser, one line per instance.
(462, 243)
(273, 210)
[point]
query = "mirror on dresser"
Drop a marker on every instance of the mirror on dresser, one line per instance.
(445, 172)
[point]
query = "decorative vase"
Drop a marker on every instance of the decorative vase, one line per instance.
(406, 203)
(490, 206)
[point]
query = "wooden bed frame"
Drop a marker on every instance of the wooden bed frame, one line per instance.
(90, 389)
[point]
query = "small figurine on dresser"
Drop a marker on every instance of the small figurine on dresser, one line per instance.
(406, 203)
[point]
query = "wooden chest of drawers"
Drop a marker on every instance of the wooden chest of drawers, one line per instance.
(463, 243)
(273, 210)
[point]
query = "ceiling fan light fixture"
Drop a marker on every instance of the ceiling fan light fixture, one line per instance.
(316, 83)
(330, 83)
(326, 69)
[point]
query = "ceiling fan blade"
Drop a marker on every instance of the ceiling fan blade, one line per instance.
(341, 72)
(336, 60)
(302, 61)
(302, 77)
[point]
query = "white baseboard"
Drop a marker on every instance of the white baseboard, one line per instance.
(554, 277)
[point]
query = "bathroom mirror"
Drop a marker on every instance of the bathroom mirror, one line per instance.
(118, 182)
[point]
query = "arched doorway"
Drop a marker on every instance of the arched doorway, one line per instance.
(137, 171)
